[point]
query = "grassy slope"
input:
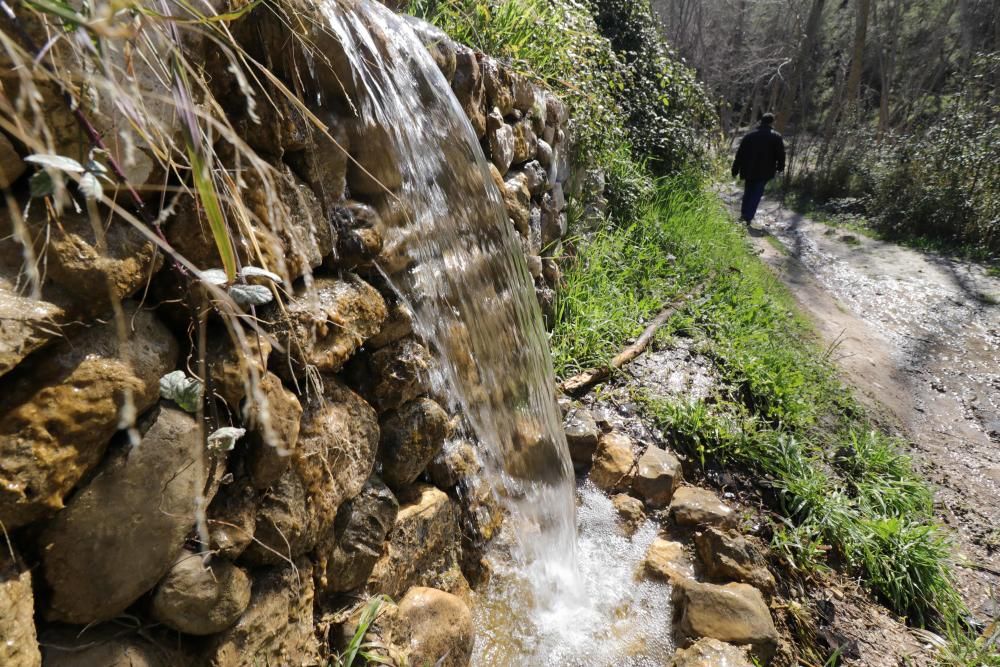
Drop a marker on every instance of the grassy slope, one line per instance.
(780, 413)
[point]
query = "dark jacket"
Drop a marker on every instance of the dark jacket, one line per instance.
(761, 154)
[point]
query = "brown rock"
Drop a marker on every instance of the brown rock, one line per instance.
(498, 84)
(274, 415)
(395, 374)
(694, 506)
(525, 141)
(11, 164)
(440, 627)
(232, 519)
(201, 600)
(140, 503)
(59, 410)
(613, 462)
(281, 126)
(630, 511)
(397, 325)
(581, 435)
(423, 548)
(667, 560)
(277, 627)
(517, 199)
(727, 555)
(708, 652)
(354, 545)
(411, 437)
(374, 167)
(658, 475)
(467, 84)
(440, 46)
(500, 138)
(19, 646)
(455, 462)
(524, 93)
(544, 154)
(104, 646)
(323, 163)
(285, 527)
(359, 240)
(229, 365)
(327, 323)
(25, 325)
(734, 613)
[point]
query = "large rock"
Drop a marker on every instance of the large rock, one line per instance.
(277, 627)
(734, 613)
(614, 462)
(708, 652)
(657, 477)
(524, 93)
(467, 84)
(18, 643)
(11, 164)
(201, 600)
(326, 324)
(274, 416)
(498, 84)
(232, 367)
(437, 42)
(398, 325)
(105, 645)
(500, 137)
(354, 545)
(727, 555)
(232, 519)
(60, 408)
(630, 511)
(581, 435)
(359, 239)
(323, 163)
(395, 374)
(338, 440)
(374, 168)
(667, 560)
(517, 199)
(694, 506)
(525, 141)
(457, 461)
(26, 324)
(440, 627)
(140, 505)
(424, 545)
(411, 437)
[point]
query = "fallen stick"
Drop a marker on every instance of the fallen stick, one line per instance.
(580, 383)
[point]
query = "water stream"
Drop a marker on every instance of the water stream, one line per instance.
(460, 268)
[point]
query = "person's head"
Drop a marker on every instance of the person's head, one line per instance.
(767, 119)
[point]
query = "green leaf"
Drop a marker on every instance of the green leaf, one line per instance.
(250, 295)
(57, 162)
(186, 392)
(209, 199)
(41, 185)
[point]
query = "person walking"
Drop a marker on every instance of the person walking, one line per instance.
(760, 156)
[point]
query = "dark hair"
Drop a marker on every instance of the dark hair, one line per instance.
(767, 119)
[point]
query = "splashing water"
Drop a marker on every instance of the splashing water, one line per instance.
(456, 261)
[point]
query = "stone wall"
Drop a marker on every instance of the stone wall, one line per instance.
(340, 488)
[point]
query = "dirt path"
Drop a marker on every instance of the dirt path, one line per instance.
(919, 336)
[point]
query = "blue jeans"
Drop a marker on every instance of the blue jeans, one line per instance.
(753, 191)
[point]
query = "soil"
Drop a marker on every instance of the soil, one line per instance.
(918, 335)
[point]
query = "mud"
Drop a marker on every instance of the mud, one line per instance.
(918, 335)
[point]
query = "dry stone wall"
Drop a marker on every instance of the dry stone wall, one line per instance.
(342, 486)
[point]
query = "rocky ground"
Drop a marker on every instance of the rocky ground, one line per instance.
(918, 335)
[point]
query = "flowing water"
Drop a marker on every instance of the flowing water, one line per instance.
(459, 265)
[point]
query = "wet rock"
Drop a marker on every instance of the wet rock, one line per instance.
(501, 141)
(630, 511)
(467, 84)
(437, 42)
(59, 410)
(581, 435)
(232, 519)
(727, 555)
(323, 163)
(229, 365)
(423, 547)
(11, 164)
(397, 325)
(18, 643)
(534, 177)
(327, 323)
(25, 325)
(517, 199)
(375, 165)
(667, 560)
(440, 627)
(455, 462)
(273, 415)
(525, 141)
(395, 374)
(411, 436)
(708, 652)
(76, 268)
(534, 265)
(498, 84)
(105, 646)
(657, 477)
(281, 127)
(734, 613)
(141, 503)
(201, 600)
(284, 525)
(358, 238)
(613, 462)
(354, 545)
(277, 627)
(543, 152)
(523, 92)
(694, 506)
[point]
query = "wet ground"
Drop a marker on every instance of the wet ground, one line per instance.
(918, 335)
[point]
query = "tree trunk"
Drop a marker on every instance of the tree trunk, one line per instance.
(800, 81)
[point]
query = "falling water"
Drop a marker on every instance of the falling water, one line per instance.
(456, 261)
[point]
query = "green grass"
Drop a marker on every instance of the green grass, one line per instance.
(846, 496)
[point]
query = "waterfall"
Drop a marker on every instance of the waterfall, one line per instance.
(457, 263)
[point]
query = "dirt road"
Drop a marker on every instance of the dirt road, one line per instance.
(919, 336)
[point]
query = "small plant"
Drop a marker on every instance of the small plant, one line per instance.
(358, 647)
